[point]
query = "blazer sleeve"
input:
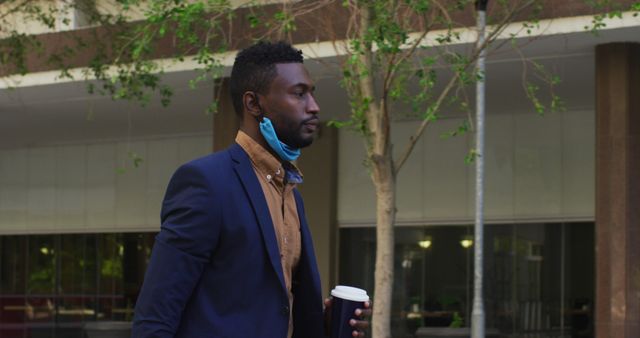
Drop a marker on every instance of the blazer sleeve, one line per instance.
(188, 236)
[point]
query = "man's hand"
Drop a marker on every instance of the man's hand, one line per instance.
(359, 321)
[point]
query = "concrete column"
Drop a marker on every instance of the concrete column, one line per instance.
(617, 190)
(225, 121)
(319, 164)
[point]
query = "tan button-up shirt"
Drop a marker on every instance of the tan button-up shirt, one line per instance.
(282, 207)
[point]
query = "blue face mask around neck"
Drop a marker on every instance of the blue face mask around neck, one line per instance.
(285, 152)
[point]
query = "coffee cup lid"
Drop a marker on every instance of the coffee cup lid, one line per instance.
(350, 293)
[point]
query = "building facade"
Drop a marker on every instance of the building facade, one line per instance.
(82, 179)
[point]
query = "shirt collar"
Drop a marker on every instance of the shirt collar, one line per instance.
(266, 163)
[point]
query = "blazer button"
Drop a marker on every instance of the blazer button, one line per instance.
(285, 310)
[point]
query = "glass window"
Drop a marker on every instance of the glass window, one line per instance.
(51, 284)
(13, 276)
(539, 278)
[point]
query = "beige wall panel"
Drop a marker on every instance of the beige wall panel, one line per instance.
(101, 189)
(445, 172)
(90, 187)
(71, 175)
(410, 180)
(190, 148)
(41, 192)
(162, 161)
(14, 180)
(131, 185)
(499, 176)
(538, 165)
(578, 175)
(356, 196)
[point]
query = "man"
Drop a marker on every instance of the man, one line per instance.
(234, 256)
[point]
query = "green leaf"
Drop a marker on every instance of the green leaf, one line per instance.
(212, 108)
(337, 123)
(254, 20)
(462, 129)
(135, 159)
(471, 156)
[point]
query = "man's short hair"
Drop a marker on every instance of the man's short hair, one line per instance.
(255, 68)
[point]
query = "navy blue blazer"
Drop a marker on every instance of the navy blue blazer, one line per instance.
(215, 268)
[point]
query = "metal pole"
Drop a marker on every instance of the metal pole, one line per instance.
(562, 277)
(477, 314)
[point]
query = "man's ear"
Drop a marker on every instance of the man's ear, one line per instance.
(251, 104)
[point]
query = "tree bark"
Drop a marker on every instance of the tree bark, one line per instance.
(384, 180)
(385, 184)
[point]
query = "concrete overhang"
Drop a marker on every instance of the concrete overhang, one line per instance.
(43, 109)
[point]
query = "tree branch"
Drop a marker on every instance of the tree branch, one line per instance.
(414, 139)
(13, 10)
(492, 36)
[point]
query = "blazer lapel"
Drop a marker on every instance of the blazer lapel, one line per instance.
(244, 170)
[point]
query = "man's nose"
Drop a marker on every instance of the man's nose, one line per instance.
(312, 105)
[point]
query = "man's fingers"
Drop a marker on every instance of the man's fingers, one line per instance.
(362, 313)
(359, 324)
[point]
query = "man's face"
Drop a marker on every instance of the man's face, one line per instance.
(291, 106)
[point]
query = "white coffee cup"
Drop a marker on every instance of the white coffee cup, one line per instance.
(346, 299)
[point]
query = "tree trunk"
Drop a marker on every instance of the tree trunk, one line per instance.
(385, 184)
(383, 177)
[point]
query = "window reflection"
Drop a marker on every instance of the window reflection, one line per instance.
(538, 277)
(51, 284)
